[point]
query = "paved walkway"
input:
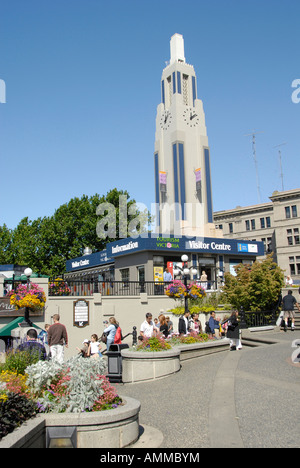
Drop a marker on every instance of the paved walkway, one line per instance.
(248, 398)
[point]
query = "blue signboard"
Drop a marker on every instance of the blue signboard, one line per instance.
(88, 261)
(167, 245)
(185, 244)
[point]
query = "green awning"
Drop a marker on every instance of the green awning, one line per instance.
(6, 329)
(24, 277)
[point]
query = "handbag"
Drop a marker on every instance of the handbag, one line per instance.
(103, 338)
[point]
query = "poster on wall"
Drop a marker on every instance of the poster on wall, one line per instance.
(170, 268)
(158, 274)
(81, 313)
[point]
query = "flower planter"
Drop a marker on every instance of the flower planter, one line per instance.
(115, 428)
(139, 366)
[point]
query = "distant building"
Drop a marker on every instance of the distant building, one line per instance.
(276, 224)
(9, 270)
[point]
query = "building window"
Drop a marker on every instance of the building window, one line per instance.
(292, 265)
(141, 274)
(294, 211)
(230, 228)
(287, 212)
(253, 224)
(296, 236)
(268, 221)
(178, 82)
(298, 264)
(124, 275)
(262, 223)
(247, 225)
(289, 236)
(269, 245)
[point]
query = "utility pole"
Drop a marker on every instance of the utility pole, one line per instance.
(280, 163)
(255, 162)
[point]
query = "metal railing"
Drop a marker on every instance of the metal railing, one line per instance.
(259, 318)
(90, 286)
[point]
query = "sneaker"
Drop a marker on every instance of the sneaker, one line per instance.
(233, 348)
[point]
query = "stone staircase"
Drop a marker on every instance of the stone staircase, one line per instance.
(297, 320)
(252, 340)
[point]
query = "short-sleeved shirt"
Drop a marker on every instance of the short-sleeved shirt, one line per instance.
(147, 328)
(289, 302)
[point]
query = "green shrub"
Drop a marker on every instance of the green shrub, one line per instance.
(17, 361)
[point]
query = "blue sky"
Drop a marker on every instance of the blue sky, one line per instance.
(83, 84)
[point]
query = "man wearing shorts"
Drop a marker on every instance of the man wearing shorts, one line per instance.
(289, 303)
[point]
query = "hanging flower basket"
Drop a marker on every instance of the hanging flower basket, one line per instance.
(195, 291)
(177, 289)
(33, 297)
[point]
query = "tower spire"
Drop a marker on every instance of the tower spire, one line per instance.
(177, 48)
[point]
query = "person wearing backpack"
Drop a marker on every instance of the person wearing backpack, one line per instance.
(118, 336)
(111, 331)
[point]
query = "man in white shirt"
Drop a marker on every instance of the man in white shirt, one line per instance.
(148, 328)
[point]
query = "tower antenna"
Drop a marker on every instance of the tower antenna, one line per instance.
(280, 163)
(255, 162)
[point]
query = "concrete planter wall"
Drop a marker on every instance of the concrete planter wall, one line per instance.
(115, 428)
(191, 351)
(138, 366)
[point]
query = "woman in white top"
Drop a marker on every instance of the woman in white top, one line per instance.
(93, 346)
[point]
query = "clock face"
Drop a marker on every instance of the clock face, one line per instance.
(190, 117)
(166, 120)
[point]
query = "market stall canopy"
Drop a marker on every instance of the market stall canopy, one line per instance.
(6, 329)
(24, 277)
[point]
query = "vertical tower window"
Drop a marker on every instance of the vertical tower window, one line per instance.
(163, 92)
(174, 83)
(156, 175)
(185, 92)
(178, 82)
(175, 171)
(179, 178)
(182, 178)
(194, 89)
(208, 185)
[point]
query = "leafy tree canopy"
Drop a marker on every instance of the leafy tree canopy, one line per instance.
(255, 287)
(46, 243)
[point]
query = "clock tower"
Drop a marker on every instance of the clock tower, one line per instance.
(183, 192)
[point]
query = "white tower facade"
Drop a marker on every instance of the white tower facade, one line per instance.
(183, 191)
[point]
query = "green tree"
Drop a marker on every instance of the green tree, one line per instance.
(46, 243)
(255, 287)
(5, 243)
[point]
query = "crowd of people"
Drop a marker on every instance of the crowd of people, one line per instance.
(190, 323)
(51, 341)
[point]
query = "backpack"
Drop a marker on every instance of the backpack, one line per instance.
(207, 328)
(118, 336)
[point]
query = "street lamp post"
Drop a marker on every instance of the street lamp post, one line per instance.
(27, 322)
(185, 271)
